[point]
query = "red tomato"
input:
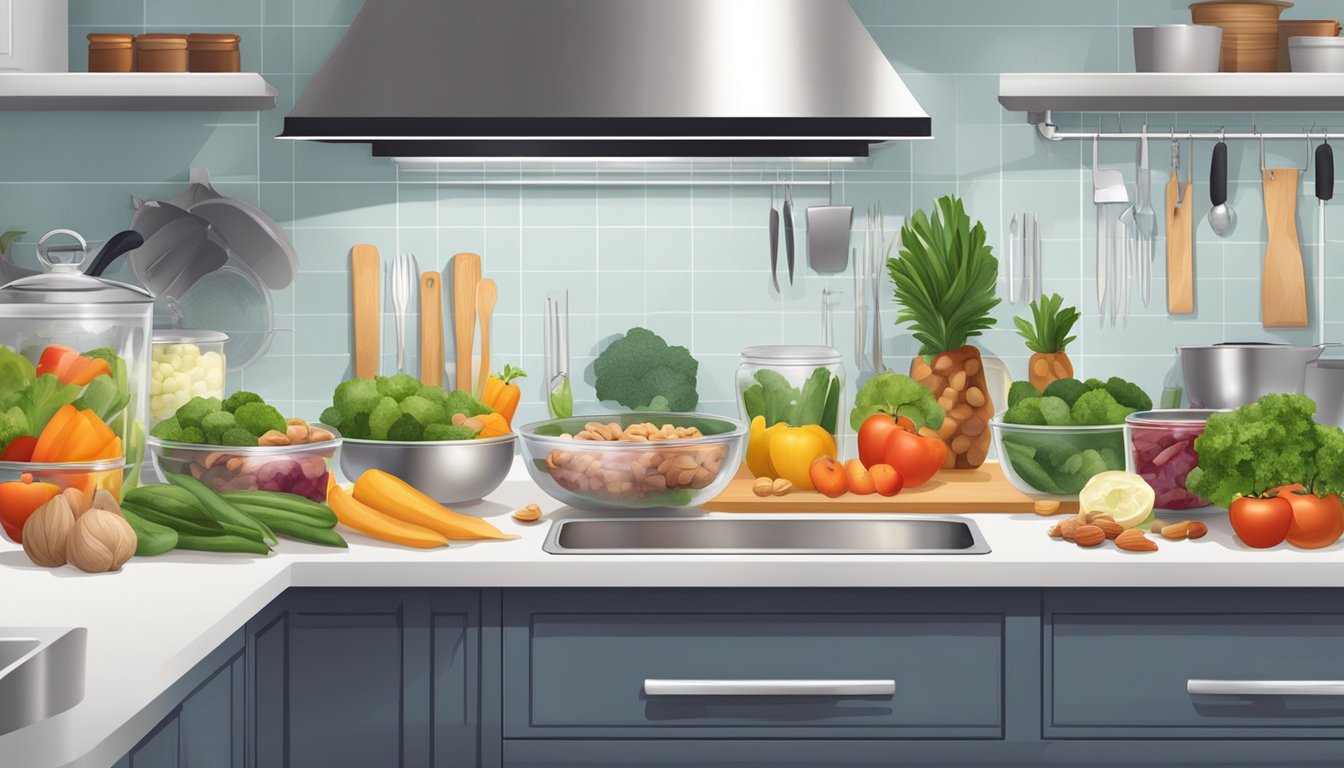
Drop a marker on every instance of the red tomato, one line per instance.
(886, 479)
(19, 499)
(905, 423)
(917, 458)
(860, 481)
(873, 435)
(828, 476)
(1261, 523)
(1317, 522)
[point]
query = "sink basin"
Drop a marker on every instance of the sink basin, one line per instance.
(767, 535)
(41, 673)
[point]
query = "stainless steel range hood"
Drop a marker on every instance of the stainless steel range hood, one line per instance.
(608, 78)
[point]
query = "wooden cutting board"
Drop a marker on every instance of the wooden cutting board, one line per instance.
(1180, 246)
(366, 289)
(950, 491)
(1283, 287)
(431, 330)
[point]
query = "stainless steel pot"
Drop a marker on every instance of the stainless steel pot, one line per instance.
(1233, 375)
(1325, 385)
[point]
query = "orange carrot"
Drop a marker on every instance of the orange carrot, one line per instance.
(501, 394)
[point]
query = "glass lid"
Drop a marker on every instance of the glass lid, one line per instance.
(64, 283)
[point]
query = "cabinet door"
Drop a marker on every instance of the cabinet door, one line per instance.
(210, 723)
(159, 748)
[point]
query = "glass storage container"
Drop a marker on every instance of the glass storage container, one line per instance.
(75, 328)
(1162, 451)
(792, 383)
(185, 364)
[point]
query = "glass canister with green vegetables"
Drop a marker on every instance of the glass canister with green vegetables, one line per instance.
(792, 384)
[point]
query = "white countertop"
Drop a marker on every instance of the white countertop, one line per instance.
(152, 622)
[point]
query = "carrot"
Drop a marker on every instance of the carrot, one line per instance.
(394, 497)
(495, 425)
(352, 514)
(49, 440)
(501, 394)
(86, 369)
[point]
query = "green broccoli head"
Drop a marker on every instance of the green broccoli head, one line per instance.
(332, 417)
(238, 399)
(1097, 407)
(1092, 384)
(1021, 390)
(384, 413)
(640, 366)
(237, 436)
(448, 432)
(1068, 390)
(1329, 460)
(192, 435)
(215, 425)
(354, 397)
(1272, 442)
(259, 418)
(406, 429)
(357, 428)
(435, 394)
(461, 402)
(1056, 412)
(169, 429)
(893, 394)
(196, 409)
(424, 411)
(397, 387)
(1025, 412)
(1128, 394)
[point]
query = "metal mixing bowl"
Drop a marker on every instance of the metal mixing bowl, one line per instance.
(450, 471)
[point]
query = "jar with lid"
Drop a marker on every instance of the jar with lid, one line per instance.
(68, 338)
(185, 364)
(161, 52)
(111, 52)
(208, 52)
(792, 383)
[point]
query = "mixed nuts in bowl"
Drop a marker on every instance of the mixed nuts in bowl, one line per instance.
(635, 460)
(296, 461)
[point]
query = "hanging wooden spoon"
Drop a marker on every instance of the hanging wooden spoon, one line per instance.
(487, 293)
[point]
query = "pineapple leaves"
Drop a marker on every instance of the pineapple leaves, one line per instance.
(1051, 321)
(944, 277)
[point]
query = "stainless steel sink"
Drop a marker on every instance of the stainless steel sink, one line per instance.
(767, 535)
(41, 673)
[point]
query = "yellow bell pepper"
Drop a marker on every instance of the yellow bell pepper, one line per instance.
(793, 449)
(758, 447)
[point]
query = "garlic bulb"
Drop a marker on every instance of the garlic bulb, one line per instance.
(47, 531)
(101, 541)
(104, 499)
(79, 503)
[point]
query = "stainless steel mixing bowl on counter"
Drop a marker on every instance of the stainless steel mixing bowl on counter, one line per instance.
(450, 471)
(1222, 376)
(1325, 385)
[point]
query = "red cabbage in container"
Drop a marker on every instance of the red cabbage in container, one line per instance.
(1162, 452)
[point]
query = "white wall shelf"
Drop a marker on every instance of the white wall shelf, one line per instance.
(1166, 92)
(111, 91)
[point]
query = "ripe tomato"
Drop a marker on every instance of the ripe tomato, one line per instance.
(828, 476)
(917, 458)
(886, 479)
(1317, 522)
(873, 435)
(1261, 523)
(860, 481)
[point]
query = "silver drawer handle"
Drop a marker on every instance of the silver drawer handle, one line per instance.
(1266, 687)
(769, 687)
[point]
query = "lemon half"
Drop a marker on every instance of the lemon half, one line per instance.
(1123, 495)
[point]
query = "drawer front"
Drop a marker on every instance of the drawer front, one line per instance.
(677, 666)
(1129, 674)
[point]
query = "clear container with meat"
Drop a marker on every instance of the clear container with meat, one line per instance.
(1162, 451)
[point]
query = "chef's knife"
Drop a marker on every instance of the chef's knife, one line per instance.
(788, 228)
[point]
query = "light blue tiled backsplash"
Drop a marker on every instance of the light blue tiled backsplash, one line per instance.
(689, 262)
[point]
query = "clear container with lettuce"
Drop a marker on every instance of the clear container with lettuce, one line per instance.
(792, 384)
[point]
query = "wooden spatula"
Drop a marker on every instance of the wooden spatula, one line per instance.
(486, 295)
(366, 294)
(1180, 210)
(466, 275)
(1283, 287)
(431, 329)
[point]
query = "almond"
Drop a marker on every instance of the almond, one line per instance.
(1046, 507)
(1133, 540)
(1197, 530)
(1054, 532)
(1176, 531)
(1109, 527)
(1088, 536)
(1068, 529)
(1094, 517)
(1158, 525)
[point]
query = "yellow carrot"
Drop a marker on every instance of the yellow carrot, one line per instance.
(394, 497)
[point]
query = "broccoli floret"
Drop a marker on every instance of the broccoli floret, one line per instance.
(354, 397)
(192, 435)
(215, 425)
(1055, 412)
(384, 413)
(238, 399)
(435, 395)
(423, 410)
(1068, 390)
(1025, 412)
(1021, 390)
(168, 429)
(463, 403)
(639, 366)
(196, 409)
(357, 428)
(397, 387)
(448, 432)
(406, 429)
(1128, 394)
(238, 436)
(331, 417)
(1098, 407)
(259, 418)
(1092, 384)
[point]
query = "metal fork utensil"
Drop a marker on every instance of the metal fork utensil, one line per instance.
(1145, 220)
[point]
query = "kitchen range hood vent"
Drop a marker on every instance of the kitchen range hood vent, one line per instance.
(608, 78)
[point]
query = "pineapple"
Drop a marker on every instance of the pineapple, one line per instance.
(1046, 337)
(944, 279)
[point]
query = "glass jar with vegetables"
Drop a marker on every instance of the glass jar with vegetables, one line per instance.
(185, 364)
(69, 339)
(795, 385)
